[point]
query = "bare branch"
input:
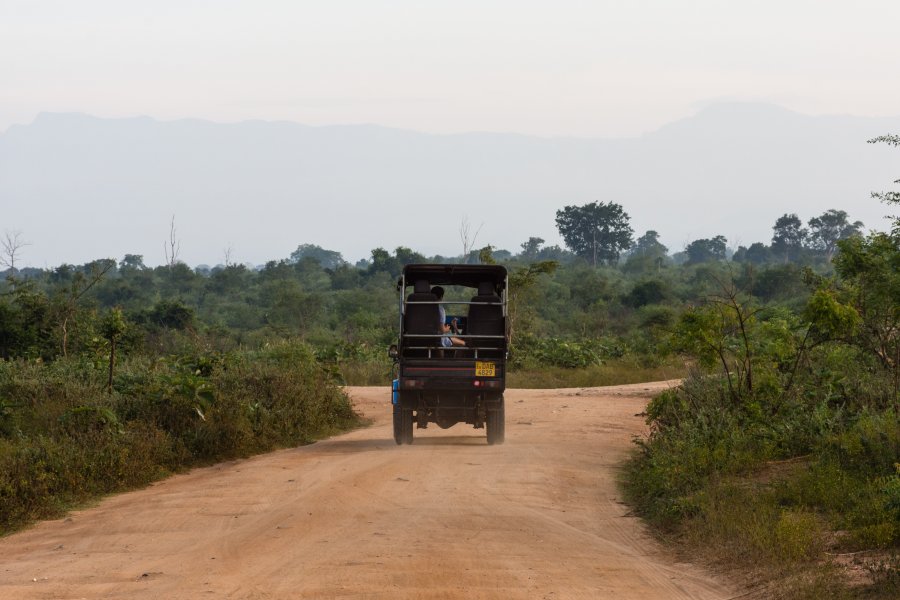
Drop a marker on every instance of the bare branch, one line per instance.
(467, 237)
(172, 247)
(12, 243)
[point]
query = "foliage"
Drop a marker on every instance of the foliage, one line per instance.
(757, 254)
(522, 284)
(531, 351)
(648, 245)
(67, 440)
(531, 248)
(789, 429)
(327, 259)
(598, 231)
(870, 273)
(647, 254)
(785, 442)
(827, 230)
(788, 237)
(650, 291)
(383, 262)
(166, 314)
(706, 250)
(57, 312)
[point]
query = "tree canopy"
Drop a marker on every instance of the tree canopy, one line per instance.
(788, 237)
(647, 254)
(826, 230)
(706, 250)
(328, 259)
(597, 232)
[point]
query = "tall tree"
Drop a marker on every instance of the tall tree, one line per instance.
(597, 232)
(383, 261)
(132, 262)
(648, 253)
(531, 248)
(328, 259)
(758, 253)
(406, 256)
(788, 237)
(872, 268)
(112, 327)
(649, 245)
(172, 246)
(486, 256)
(706, 250)
(826, 230)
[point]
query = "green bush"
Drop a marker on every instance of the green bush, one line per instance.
(530, 351)
(65, 439)
(765, 480)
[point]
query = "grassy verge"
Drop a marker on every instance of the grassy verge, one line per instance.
(618, 371)
(65, 440)
(365, 372)
(803, 502)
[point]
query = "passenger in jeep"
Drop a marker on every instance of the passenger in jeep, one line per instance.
(447, 340)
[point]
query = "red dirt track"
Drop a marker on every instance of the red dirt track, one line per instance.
(357, 516)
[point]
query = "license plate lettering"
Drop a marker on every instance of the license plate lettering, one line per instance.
(485, 369)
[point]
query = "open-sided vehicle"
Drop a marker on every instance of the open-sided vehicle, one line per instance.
(443, 384)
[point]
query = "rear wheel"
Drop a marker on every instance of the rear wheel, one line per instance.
(403, 425)
(408, 424)
(496, 424)
(398, 425)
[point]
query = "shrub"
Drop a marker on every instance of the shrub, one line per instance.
(65, 439)
(530, 351)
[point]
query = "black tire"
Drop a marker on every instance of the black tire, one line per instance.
(398, 425)
(496, 424)
(403, 425)
(406, 424)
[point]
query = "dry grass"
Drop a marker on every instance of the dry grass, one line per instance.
(618, 371)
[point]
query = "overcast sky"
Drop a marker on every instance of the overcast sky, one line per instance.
(568, 67)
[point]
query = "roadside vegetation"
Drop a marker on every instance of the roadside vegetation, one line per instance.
(66, 437)
(778, 455)
(778, 459)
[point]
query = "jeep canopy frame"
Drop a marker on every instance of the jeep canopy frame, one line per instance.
(471, 276)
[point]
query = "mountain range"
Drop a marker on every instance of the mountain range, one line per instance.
(81, 187)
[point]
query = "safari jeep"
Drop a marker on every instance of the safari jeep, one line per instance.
(452, 370)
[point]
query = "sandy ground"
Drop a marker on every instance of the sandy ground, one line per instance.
(356, 516)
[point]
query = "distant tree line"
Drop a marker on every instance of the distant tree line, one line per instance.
(605, 275)
(601, 233)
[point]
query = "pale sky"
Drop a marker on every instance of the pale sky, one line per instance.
(567, 67)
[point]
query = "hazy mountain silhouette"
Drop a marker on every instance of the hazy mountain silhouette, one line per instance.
(83, 187)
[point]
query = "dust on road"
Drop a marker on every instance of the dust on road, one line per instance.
(356, 516)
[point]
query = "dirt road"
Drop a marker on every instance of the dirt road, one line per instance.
(359, 517)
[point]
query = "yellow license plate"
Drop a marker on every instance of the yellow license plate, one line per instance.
(485, 369)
